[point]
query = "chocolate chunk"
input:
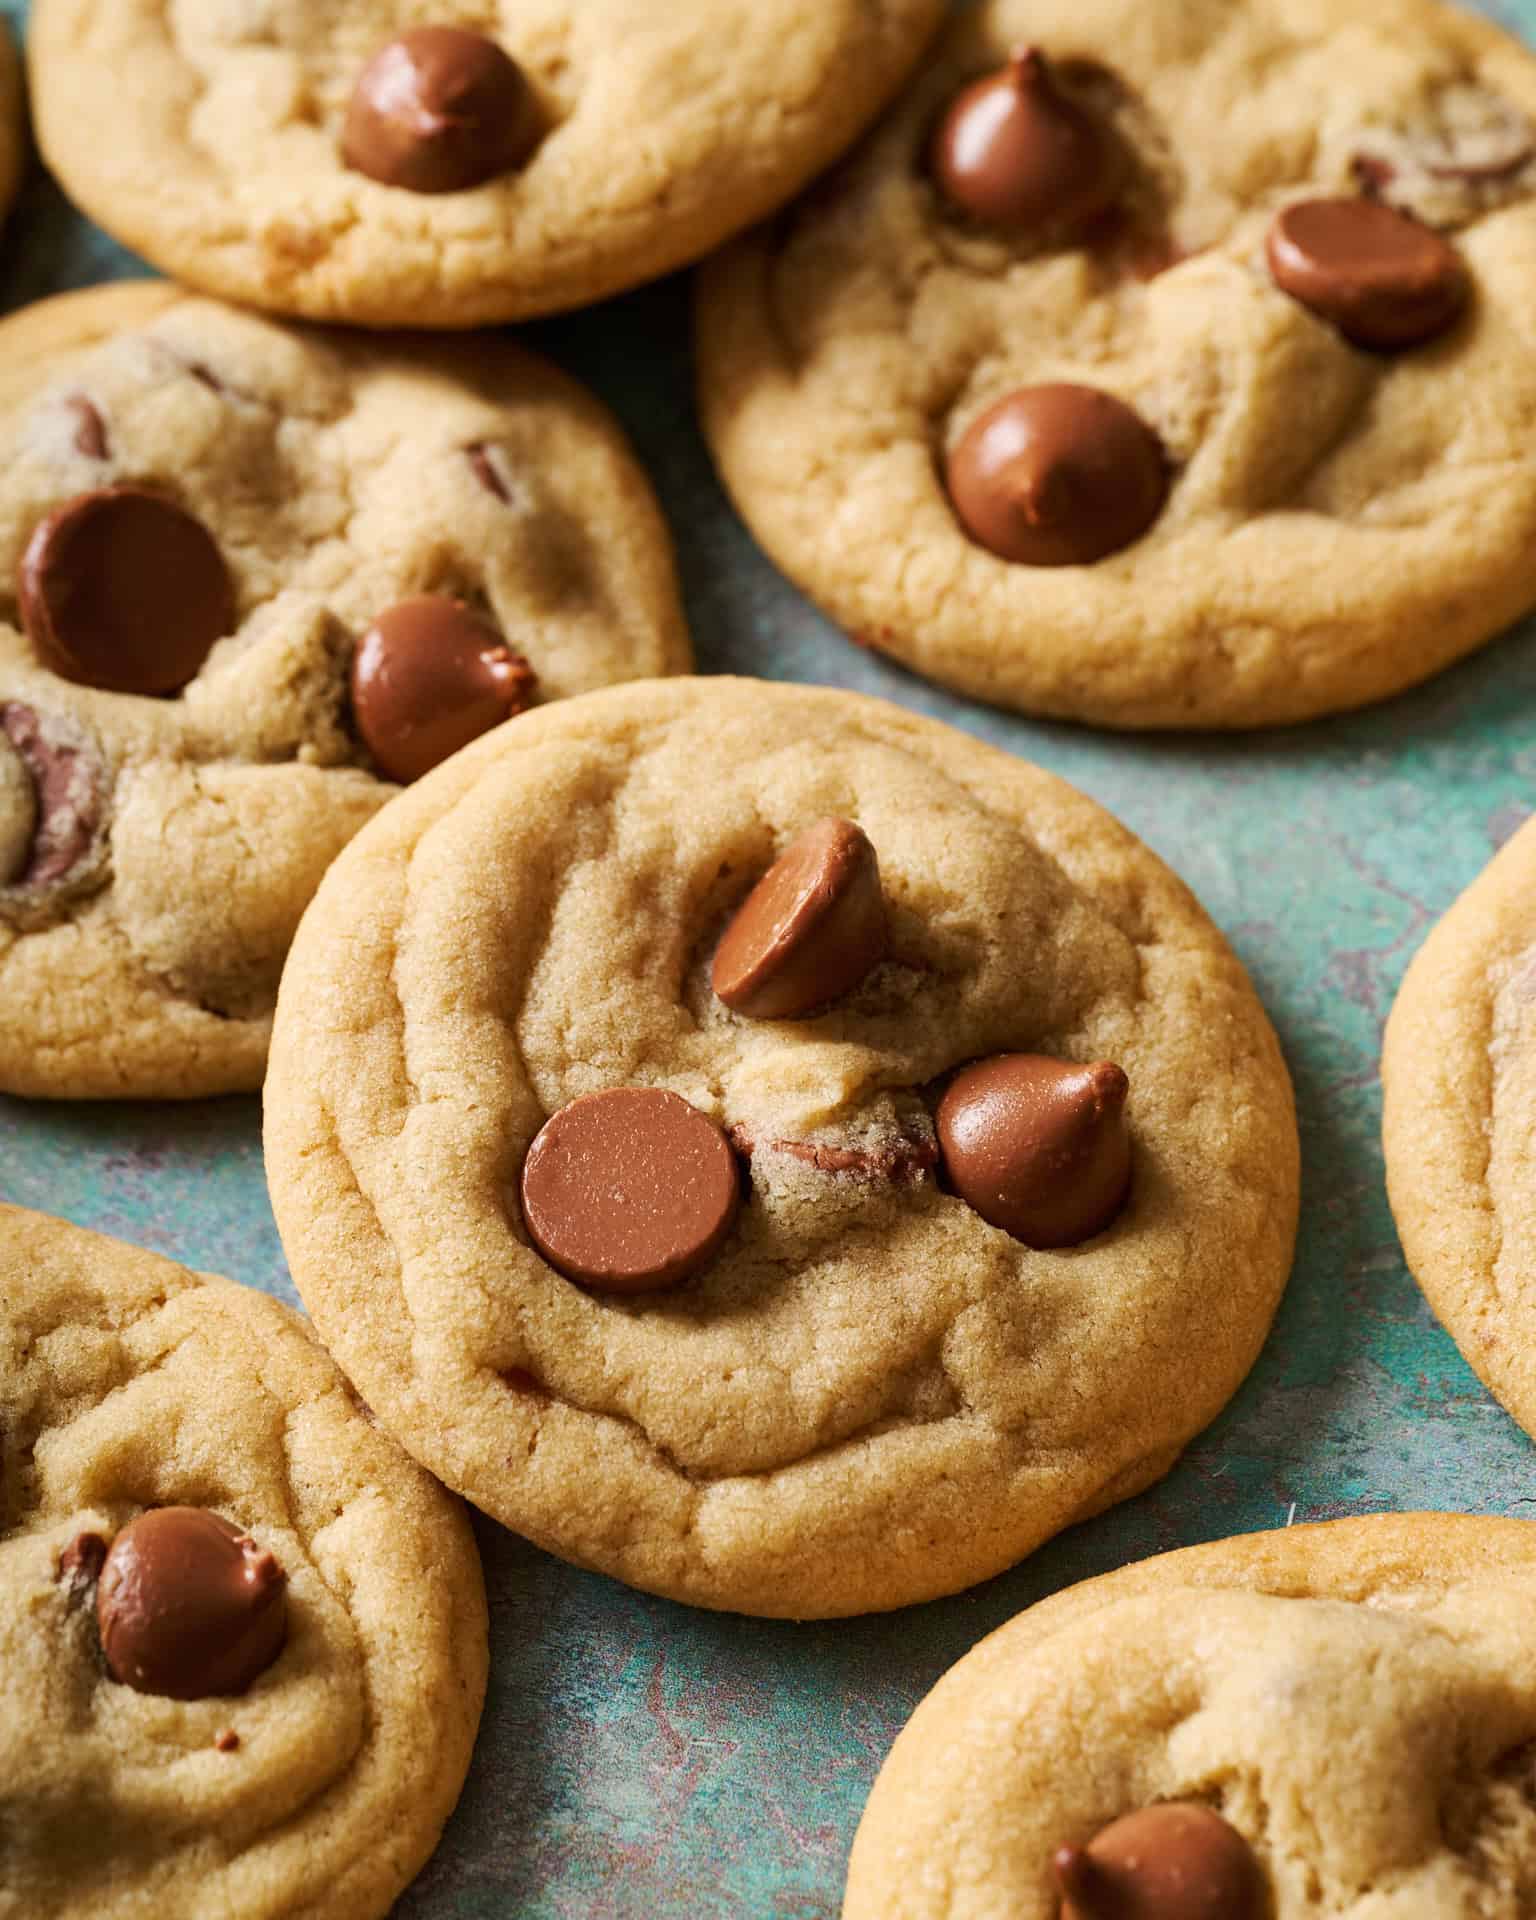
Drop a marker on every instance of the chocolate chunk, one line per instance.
(1058, 476)
(438, 110)
(228, 1741)
(123, 590)
(429, 676)
(80, 1564)
(1178, 1861)
(1384, 280)
(90, 429)
(630, 1190)
(1038, 1147)
(809, 931)
(1016, 151)
(189, 1606)
(65, 802)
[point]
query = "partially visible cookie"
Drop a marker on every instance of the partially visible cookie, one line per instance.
(774, 1149)
(242, 1636)
(258, 578)
(398, 163)
(1156, 366)
(1459, 1076)
(1335, 1719)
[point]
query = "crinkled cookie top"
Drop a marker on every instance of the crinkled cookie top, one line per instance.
(125, 1384)
(868, 1396)
(156, 853)
(1340, 523)
(1357, 1699)
(656, 132)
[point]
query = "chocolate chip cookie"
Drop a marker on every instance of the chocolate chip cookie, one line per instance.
(1459, 1075)
(395, 163)
(1335, 1719)
(1156, 366)
(774, 1149)
(242, 1636)
(261, 577)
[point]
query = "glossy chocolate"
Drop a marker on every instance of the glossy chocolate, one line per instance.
(1058, 476)
(809, 931)
(1037, 1146)
(1386, 281)
(439, 110)
(121, 589)
(189, 1606)
(1178, 1861)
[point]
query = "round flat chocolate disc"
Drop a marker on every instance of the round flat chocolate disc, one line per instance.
(1384, 280)
(1037, 1146)
(189, 1606)
(429, 676)
(809, 931)
(123, 590)
(1058, 476)
(440, 110)
(630, 1190)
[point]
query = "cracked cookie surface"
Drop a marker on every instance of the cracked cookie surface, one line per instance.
(127, 1383)
(661, 130)
(1358, 1699)
(1339, 524)
(156, 853)
(867, 1396)
(1459, 1077)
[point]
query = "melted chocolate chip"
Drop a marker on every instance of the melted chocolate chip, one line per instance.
(1058, 476)
(123, 590)
(90, 429)
(80, 1564)
(1015, 151)
(1178, 1861)
(69, 796)
(1038, 1147)
(809, 931)
(228, 1741)
(189, 1606)
(485, 470)
(440, 110)
(430, 676)
(630, 1190)
(1384, 280)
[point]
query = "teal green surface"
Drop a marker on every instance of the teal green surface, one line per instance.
(640, 1759)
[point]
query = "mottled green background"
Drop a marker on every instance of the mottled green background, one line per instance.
(639, 1759)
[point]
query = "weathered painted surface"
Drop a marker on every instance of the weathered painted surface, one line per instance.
(639, 1759)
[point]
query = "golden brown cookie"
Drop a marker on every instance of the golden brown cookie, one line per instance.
(1156, 366)
(242, 1636)
(1335, 1719)
(1459, 1076)
(400, 163)
(259, 577)
(506, 1096)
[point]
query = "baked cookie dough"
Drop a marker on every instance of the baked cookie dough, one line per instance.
(399, 163)
(1156, 366)
(242, 1636)
(1459, 1076)
(259, 577)
(1335, 1719)
(643, 1221)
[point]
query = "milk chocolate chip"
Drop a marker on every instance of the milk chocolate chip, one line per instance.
(80, 1565)
(90, 429)
(431, 675)
(1038, 1147)
(1172, 1862)
(439, 110)
(53, 799)
(810, 929)
(1383, 279)
(1017, 152)
(1058, 476)
(630, 1190)
(189, 1606)
(123, 590)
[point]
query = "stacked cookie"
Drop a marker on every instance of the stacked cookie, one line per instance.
(751, 1141)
